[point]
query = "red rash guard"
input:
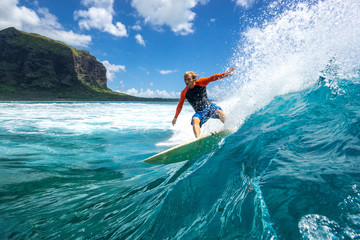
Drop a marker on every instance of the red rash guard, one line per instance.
(196, 95)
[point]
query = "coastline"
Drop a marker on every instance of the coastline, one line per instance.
(147, 100)
(45, 96)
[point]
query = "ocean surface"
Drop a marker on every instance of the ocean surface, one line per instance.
(290, 170)
(75, 171)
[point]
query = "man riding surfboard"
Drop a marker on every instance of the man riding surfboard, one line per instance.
(195, 93)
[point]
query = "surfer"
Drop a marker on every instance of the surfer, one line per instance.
(195, 93)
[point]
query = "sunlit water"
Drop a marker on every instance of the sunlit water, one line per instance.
(291, 170)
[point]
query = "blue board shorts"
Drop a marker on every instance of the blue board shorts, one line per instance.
(207, 113)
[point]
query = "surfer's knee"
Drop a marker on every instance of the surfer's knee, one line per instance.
(221, 115)
(196, 121)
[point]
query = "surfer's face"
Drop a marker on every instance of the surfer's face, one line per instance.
(189, 81)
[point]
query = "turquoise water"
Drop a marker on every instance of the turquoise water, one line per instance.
(291, 170)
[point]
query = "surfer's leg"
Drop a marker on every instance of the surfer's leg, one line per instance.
(196, 126)
(221, 115)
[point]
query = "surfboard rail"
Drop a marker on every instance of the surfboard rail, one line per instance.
(189, 150)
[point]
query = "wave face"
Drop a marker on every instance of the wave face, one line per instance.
(291, 171)
(304, 150)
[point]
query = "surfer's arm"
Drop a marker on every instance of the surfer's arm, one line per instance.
(203, 82)
(179, 106)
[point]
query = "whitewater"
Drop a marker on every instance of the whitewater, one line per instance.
(290, 170)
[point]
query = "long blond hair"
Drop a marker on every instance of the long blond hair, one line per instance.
(193, 75)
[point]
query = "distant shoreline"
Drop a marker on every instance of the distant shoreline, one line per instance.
(46, 96)
(150, 100)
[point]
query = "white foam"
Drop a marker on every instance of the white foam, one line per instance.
(288, 53)
(314, 226)
(85, 117)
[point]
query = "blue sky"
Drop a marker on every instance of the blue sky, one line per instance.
(146, 45)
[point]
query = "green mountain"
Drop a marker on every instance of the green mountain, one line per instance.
(33, 67)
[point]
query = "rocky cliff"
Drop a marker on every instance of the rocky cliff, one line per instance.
(33, 67)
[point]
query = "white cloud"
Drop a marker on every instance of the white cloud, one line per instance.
(151, 94)
(68, 37)
(140, 39)
(40, 21)
(136, 27)
(164, 72)
(173, 13)
(244, 3)
(100, 16)
(111, 69)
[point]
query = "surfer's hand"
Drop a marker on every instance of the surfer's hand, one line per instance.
(230, 72)
(174, 121)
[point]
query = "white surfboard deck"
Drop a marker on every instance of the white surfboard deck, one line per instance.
(189, 150)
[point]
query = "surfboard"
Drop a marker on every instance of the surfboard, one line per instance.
(189, 150)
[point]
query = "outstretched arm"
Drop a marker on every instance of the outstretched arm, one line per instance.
(205, 81)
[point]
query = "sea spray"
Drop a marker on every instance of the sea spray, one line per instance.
(290, 51)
